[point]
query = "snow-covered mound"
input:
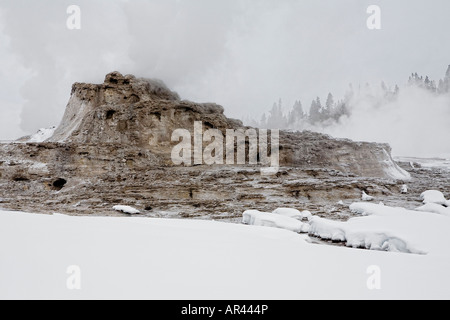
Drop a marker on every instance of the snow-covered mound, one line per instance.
(366, 197)
(126, 209)
(293, 213)
(379, 227)
(42, 135)
(393, 170)
(404, 189)
(433, 196)
(397, 229)
(265, 219)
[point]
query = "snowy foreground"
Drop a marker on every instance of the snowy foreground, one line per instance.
(135, 257)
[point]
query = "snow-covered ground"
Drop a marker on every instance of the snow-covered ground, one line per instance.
(42, 135)
(134, 257)
(432, 163)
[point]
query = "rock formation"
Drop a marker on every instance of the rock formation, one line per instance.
(113, 146)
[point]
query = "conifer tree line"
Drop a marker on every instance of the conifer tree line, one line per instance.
(329, 111)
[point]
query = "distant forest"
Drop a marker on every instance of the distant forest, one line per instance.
(326, 113)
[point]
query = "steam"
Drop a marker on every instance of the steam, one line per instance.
(415, 123)
(56, 57)
(238, 53)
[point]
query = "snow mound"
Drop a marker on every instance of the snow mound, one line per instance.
(404, 189)
(433, 196)
(366, 197)
(393, 170)
(42, 135)
(293, 213)
(380, 228)
(421, 232)
(358, 236)
(126, 209)
(273, 220)
(435, 208)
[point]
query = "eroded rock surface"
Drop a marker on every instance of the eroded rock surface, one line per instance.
(113, 146)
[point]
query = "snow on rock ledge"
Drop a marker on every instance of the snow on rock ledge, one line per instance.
(392, 169)
(273, 220)
(126, 209)
(40, 136)
(293, 213)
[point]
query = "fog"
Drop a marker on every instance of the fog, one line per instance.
(415, 123)
(242, 54)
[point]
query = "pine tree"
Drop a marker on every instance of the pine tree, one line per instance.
(276, 119)
(447, 81)
(263, 122)
(427, 83)
(340, 110)
(298, 110)
(315, 111)
(329, 106)
(441, 88)
(297, 114)
(433, 87)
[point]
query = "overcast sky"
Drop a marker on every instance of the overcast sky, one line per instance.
(242, 54)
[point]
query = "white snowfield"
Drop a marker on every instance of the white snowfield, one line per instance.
(142, 258)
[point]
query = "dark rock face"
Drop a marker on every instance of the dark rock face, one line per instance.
(114, 144)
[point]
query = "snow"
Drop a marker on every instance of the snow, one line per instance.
(442, 163)
(433, 196)
(126, 209)
(404, 189)
(393, 170)
(293, 213)
(42, 135)
(142, 258)
(307, 215)
(418, 232)
(366, 197)
(435, 208)
(274, 220)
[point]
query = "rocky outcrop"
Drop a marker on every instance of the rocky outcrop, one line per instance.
(132, 111)
(113, 146)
